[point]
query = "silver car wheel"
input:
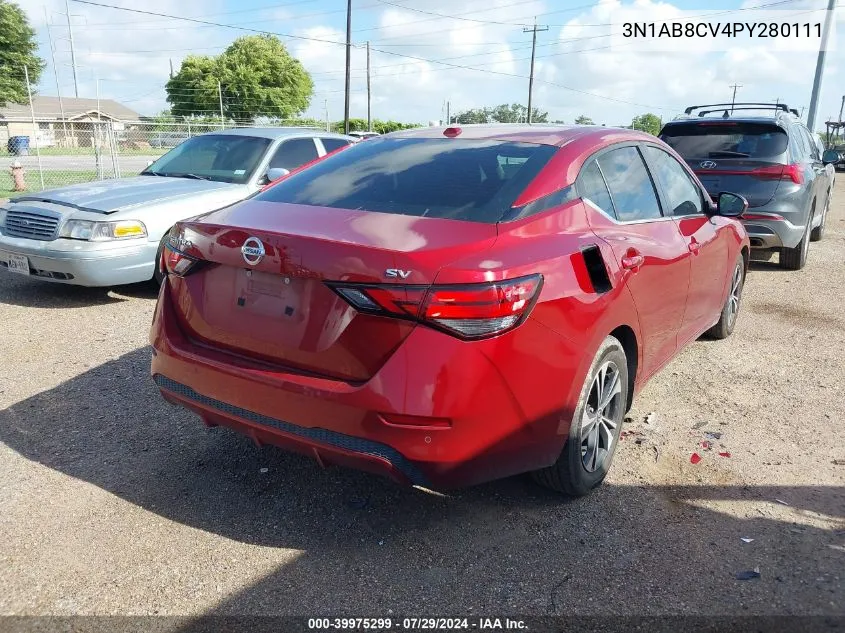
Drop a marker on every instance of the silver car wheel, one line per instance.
(602, 416)
(736, 293)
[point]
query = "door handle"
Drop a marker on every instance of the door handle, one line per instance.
(694, 246)
(632, 262)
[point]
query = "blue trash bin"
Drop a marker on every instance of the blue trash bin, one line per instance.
(18, 145)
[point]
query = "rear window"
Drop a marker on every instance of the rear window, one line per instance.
(727, 139)
(474, 180)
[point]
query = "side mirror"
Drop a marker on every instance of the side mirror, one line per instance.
(274, 173)
(149, 162)
(731, 205)
(831, 156)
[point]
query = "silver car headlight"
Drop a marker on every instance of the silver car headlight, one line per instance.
(102, 231)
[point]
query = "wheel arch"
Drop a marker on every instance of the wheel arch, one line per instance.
(628, 339)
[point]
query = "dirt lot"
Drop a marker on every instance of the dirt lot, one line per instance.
(113, 502)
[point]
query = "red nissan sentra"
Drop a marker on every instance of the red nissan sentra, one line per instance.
(447, 307)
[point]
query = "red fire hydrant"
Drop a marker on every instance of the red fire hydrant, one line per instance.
(17, 176)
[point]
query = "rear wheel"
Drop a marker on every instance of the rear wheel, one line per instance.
(727, 319)
(594, 432)
(818, 233)
(796, 258)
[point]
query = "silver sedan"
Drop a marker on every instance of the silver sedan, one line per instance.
(110, 232)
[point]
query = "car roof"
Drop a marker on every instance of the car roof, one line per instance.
(558, 135)
(277, 132)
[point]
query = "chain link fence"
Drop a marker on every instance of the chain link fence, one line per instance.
(39, 155)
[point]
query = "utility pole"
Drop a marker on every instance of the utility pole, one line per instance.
(348, 65)
(533, 30)
(171, 68)
(326, 106)
(72, 50)
(56, 73)
(34, 126)
(448, 113)
(733, 99)
(220, 96)
(817, 80)
(841, 108)
(369, 117)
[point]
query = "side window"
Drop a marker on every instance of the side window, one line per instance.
(811, 144)
(799, 145)
(331, 144)
(630, 185)
(683, 196)
(592, 187)
(294, 153)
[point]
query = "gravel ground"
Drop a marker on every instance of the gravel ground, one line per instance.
(113, 502)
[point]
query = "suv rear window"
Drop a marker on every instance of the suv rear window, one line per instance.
(727, 139)
(474, 180)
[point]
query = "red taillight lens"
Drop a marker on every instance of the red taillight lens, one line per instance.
(791, 172)
(469, 311)
(176, 262)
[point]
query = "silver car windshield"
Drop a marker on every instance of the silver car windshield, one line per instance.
(219, 157)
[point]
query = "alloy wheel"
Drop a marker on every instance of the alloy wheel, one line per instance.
(736, 293)
(602, 416)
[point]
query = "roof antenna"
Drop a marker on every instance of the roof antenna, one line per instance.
(726, 115)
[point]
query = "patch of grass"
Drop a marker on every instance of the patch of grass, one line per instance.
(52, 179)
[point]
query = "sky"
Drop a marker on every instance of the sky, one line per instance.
(479, 55)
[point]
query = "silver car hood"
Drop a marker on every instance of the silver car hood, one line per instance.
(111, 196)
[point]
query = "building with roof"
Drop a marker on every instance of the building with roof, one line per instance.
(64, 122)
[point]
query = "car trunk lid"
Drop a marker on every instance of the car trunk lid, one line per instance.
(280, 310)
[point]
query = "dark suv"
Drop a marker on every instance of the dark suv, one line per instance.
(772, 159)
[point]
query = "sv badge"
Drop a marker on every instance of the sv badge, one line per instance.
(395, 273)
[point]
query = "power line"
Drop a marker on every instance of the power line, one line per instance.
(391, 53)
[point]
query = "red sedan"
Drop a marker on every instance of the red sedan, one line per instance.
(448, 307)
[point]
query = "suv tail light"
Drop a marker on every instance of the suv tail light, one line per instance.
(468, 311)
(791, 172)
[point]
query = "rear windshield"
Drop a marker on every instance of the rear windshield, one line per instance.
(727, 139)
(475, 180)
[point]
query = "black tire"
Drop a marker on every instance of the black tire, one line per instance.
(730, 310)
(158, 273)
(817, 233)
(796, 258)
(570, 474)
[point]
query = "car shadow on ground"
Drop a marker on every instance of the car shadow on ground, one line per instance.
(36, 293)
(366, 545)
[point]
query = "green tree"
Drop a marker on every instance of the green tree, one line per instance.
(504, 113)
(648, 122)
(473, 115)
(584, 120)
(18, 48)
(385, 127)
(257, 77)
(516, 113)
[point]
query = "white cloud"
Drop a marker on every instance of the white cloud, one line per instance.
(577, 72)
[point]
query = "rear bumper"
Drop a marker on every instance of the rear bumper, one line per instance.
(789, 214)
(771, 234)
(503, 420)
(326, 446)
(81, 263)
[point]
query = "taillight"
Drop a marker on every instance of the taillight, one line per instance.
(177, 262)
(468, 311)
(791, 172)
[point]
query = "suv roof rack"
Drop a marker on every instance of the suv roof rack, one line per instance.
(749, 105)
